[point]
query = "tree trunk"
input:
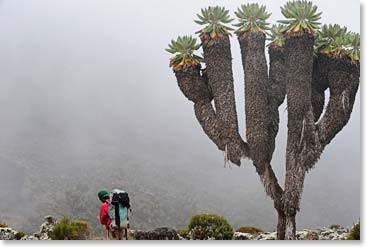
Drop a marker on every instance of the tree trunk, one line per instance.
(281, 225)
(301, 130)
(290, 228)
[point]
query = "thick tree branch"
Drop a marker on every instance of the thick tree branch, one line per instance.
(319, 85)
(194, 86)
(343, 77)
(256, 98)
(276, 91)
(218, 60)
(261, 106)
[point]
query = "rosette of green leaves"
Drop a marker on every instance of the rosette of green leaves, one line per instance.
(215, 20)
(337, 41)
(301, 16)
(183, 49)
(276, 35)
(251, 16)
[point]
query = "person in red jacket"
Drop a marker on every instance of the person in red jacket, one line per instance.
(104, 218)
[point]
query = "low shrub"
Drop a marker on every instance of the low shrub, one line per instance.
(205, 226)
(354, 233)
(249, 229)
(334, 226)
(19, 235)
(3, 225)
(70, 230)
(185, 233)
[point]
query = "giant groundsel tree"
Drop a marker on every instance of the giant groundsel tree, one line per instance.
(305, 60)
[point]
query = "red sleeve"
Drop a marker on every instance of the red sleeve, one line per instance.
(104, 218)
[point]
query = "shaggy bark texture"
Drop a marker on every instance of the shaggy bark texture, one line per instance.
(256, 97)
(343, 79)
(194, 86)
(277, 85)
(276, 90)
(259, 125)
(281, 225)
(301, 134)
(262, 99)
(318, 91)
(276, 94)
(290, 226)
(218, 60)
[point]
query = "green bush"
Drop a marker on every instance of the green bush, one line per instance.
(19, 235)
(204, 226)
(334, 226)
(354, 233)
(249, 229)
(185, 233)
(70, 230)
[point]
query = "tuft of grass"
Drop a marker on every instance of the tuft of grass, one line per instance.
(67, 229)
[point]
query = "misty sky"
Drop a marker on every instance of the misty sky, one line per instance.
(74, 73)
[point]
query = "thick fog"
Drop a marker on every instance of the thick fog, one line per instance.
(87, 83)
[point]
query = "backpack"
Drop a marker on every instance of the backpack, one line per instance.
(118, 209)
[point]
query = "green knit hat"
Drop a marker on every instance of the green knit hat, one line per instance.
(102, 194)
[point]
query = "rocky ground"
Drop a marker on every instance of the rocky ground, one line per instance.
(44, 233)
(307, 234)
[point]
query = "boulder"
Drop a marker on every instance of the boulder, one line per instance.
(301, 235)
(45, 231)
(157, 234)
(312, 235)
(46, 228)
(6, 233)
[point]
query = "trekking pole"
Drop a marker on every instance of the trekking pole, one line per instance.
(128, 223)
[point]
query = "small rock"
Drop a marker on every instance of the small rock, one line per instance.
(271, 236)
(242, 236)
(301, 235)
(50, 219)
(312, 235)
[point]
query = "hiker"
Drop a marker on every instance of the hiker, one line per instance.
(114, 213)
(118, 212)
(104, 217)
